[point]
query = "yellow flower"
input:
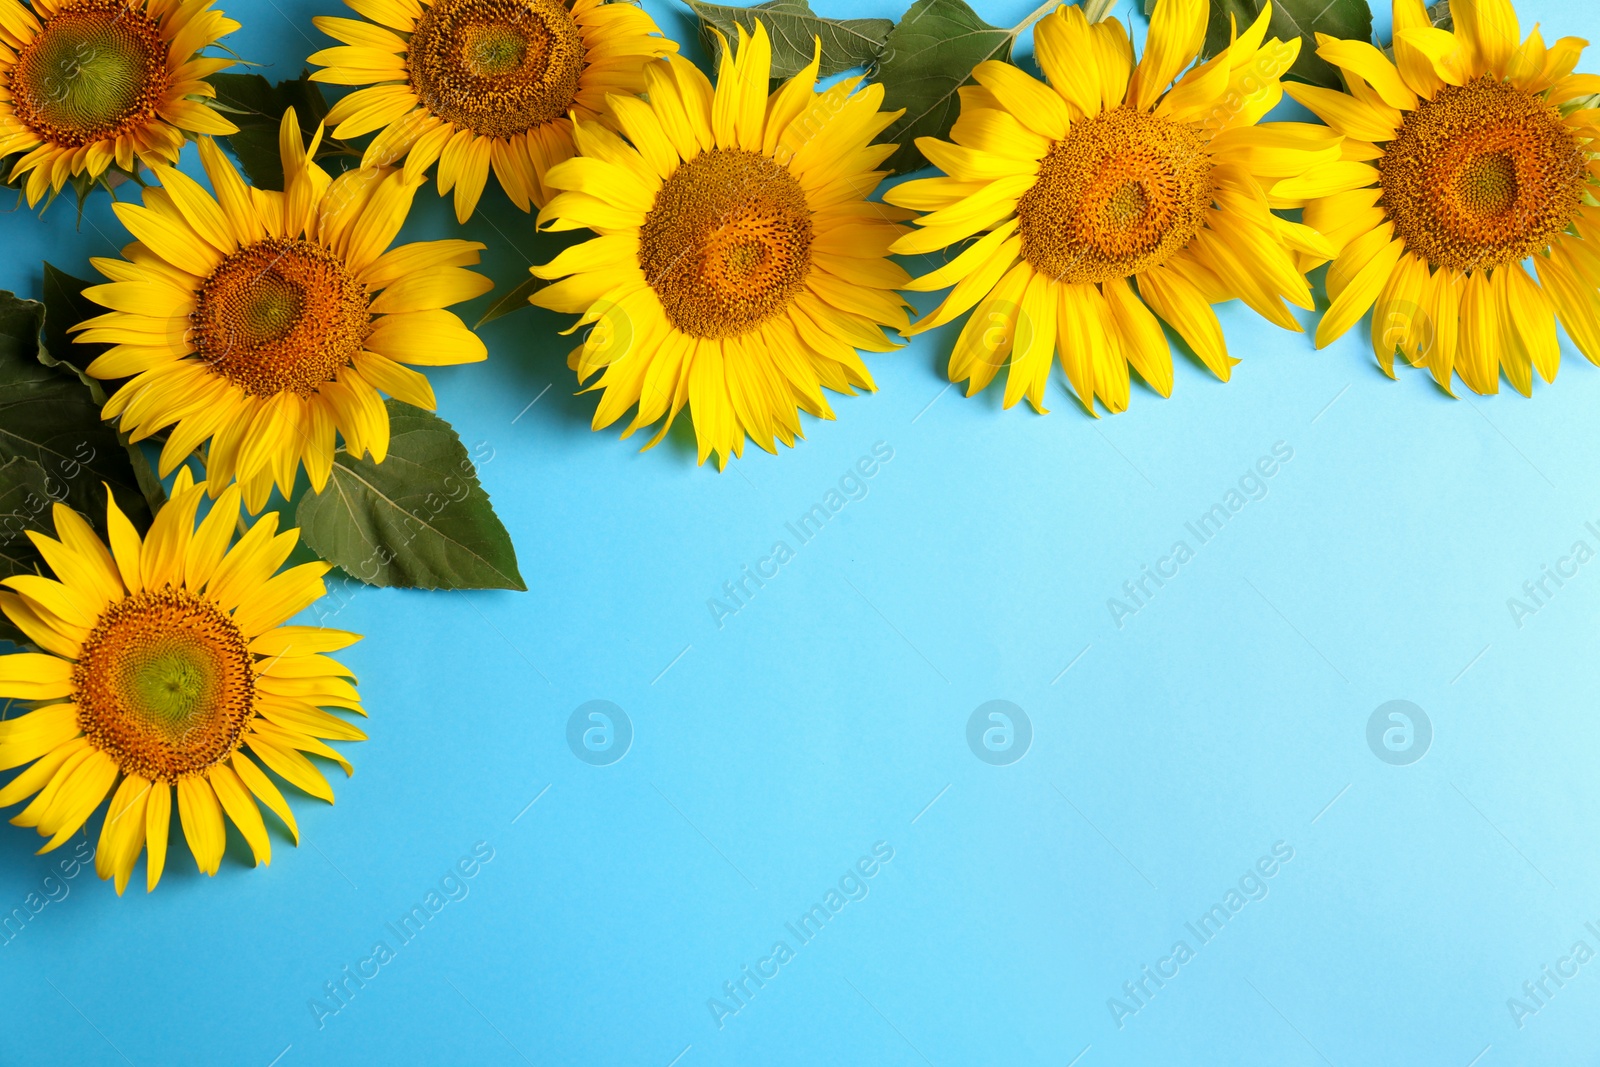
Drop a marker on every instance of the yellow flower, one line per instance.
(1463, 157)
(475, 83)
(1103, 176)
(85, 84)
(254, 320)
(161, 662)
(739, 265)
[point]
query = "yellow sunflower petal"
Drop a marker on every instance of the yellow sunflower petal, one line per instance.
(158, 822)
(242, 811)
(1177, 30)
(201, 816)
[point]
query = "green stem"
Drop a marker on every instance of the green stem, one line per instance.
(1034, 16)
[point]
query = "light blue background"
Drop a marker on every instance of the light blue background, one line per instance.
(830, 713)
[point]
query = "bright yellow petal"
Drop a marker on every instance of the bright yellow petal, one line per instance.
(201, 816)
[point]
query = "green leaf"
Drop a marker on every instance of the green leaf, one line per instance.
(144, 473)
(1350, 19)
(66, 306)
(794, 29)
(20, 323)
(1219, 30)
(514, 300)
(49, 417)
(930, 54)
(26, 493)
(256, 106)
(1439, 15)
(25, 498)
(419, 519)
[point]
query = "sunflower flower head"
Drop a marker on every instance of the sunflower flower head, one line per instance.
(266, 323)
(165, 667)
(1102, 198)
(475, 84)
(1465, 156)
(90, 84)
(739, 265)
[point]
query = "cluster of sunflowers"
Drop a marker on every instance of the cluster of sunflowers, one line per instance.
(737, 267)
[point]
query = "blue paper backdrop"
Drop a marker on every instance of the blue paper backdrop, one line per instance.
(1222, 726)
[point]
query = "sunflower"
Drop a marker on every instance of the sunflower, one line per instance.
(87, 84)
(161, 662)
(1102, 176)
(254, 320)
(475, 83)
(739, 265)
(1464, 157)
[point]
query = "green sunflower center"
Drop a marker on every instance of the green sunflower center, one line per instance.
(1120, 193)
(727, 244)
(1124, 207)
(490, 51)
(168, 681)
(165, 684)
(280, 316)
(94, 71)
(496, 67)
(1482, 175)
(1487, 185)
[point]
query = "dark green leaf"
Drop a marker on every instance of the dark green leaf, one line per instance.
(66, 306)
(794, 30)
(1349, 19)
(26, 493)
(144, 473)
(419, 519)
(256, 106)
(1439, 15)
(20, 323)
(48, 416)
(928, 56)
(25, 498)
(515, 300)
(1225, 15)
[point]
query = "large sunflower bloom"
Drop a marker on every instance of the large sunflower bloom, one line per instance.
(162, 661)
(1105, 176)
(254, 319)
(85, 84)
(481, 83)
(1464, 157)
(739, 265)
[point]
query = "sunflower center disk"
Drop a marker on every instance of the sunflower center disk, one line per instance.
(165, 684)
(1482, 175)
(1120, 193)
(280, 316)
(94, 70)
(496, 67)
(727, 244)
